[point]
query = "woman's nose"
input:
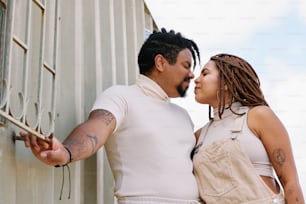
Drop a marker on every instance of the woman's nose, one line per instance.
(196, 80)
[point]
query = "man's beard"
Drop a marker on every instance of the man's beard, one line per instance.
(180, 89)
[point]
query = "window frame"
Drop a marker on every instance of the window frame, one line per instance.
(10, 38)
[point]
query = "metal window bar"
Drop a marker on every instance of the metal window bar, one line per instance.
(3, 14)
(43, 66)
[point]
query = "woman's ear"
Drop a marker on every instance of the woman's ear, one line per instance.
(159, 62)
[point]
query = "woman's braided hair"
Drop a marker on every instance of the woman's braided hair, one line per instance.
(168, 44)
(241, 80)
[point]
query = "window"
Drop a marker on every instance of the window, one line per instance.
(28, 75)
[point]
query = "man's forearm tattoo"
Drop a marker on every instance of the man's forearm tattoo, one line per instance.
(94, 141)
(80, 146)
(279, 157)
(72, 143)
(85, 141)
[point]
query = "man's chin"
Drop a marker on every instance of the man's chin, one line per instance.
(182, 92)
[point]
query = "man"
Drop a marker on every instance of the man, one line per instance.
(147, 138)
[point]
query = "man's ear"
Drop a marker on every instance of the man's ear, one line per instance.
(160, 62)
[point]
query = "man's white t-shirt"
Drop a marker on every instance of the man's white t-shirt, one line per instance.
(149, 152)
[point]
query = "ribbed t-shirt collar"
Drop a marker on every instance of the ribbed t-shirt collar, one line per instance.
(151, 88)
(227, 112)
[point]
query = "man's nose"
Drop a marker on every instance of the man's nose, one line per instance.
(191, 75)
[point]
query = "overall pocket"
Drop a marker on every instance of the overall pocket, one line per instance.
(213, 169)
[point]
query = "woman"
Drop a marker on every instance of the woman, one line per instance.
(243, 155)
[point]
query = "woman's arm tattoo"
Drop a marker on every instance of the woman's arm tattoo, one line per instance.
(279, 157)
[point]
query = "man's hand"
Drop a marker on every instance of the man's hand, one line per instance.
(51, 153)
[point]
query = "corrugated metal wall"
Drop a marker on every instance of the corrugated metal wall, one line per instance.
(56, 56)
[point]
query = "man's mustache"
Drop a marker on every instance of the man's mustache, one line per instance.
(187, 79)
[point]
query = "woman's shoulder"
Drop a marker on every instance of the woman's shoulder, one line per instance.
(260, 117)
(260, 112)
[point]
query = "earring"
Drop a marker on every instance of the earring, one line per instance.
(218, 95)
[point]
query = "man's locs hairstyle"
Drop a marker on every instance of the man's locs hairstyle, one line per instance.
(168, 44)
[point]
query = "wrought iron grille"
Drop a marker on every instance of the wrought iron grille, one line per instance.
(28, 74)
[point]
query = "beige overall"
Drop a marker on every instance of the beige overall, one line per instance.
(225, 173)
(153, 200)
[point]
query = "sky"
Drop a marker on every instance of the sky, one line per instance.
(269, 34)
